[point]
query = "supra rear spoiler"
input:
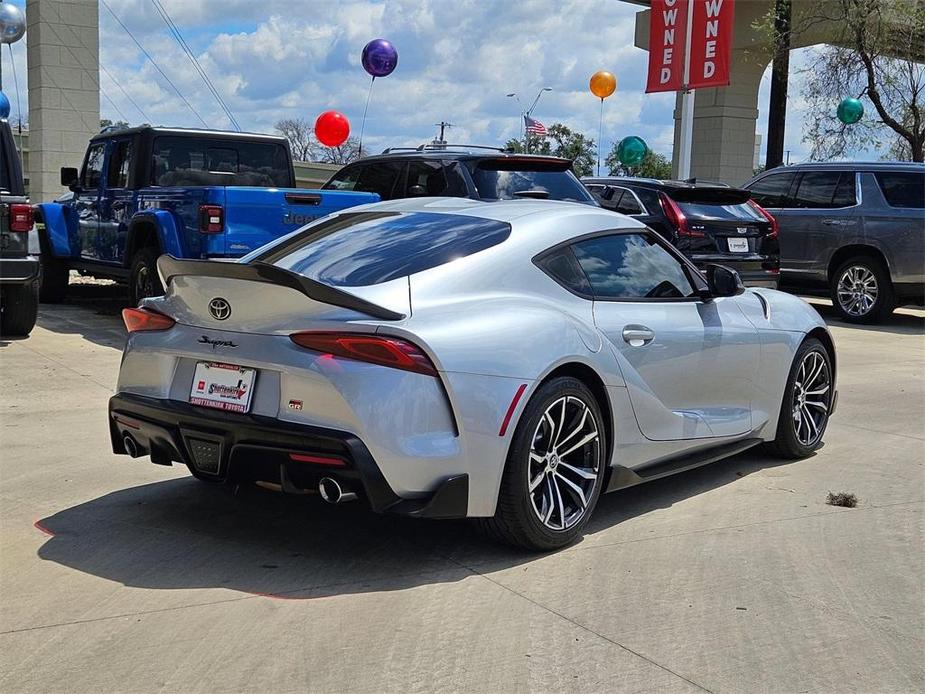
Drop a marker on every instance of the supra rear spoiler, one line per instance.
(256, 271)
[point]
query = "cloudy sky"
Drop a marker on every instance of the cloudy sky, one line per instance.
(274, 59)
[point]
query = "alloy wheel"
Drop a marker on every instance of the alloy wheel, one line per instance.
(811, 398)
(857, 290)
(565, 460)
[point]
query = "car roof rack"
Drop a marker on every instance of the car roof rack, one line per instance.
(440, 147)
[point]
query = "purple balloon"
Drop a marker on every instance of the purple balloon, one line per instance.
(379, 58)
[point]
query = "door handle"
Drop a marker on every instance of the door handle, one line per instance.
(638, 335)
(833, 222)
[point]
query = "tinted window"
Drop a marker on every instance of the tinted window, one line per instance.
(845, 191)
(743, 212)
(381, 178)
(631, 266)
(119, 160)
(430, 178)
(494, 184)
(345, 179)
(771, 191)
(379, 248)
(816, 189)
(628, 204)
(93, 168)
(187, 161)
(562, 265)
(903, 189)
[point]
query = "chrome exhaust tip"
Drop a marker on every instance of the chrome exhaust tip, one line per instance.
(130, 446)
(331, 491)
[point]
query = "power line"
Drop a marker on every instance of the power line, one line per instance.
(178, 37)
(127, 96)
(156, 66)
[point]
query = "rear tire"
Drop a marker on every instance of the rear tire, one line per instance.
(53, 281)
(862, 291)
(566, 480)
(804, 412)
(19, 304)
(143, 279)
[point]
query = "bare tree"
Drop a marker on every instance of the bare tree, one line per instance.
(299, 133)
(342, 154)
(876, 56)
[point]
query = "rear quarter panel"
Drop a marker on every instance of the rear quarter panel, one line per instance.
(898, 233)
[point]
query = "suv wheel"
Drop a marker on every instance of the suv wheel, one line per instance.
(144, 281)
(554, 471)
(19, 304)
(861, 290)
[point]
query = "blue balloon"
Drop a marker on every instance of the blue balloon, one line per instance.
(4, 106)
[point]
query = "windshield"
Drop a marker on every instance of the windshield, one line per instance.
(361, 249)
(494, 184)
(195, 161)
(743, 212)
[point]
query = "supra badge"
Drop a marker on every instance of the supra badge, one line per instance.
(220, 308)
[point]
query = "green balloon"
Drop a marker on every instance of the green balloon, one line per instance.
(632, 150)
(850, 111)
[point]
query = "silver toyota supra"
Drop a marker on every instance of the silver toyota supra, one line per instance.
(448, 358)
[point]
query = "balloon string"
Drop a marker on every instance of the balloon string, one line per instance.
(363, 124)
(600, 137)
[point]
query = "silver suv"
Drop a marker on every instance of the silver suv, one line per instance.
(857, 229)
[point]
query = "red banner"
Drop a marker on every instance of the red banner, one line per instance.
(667, 35)
(711, 43)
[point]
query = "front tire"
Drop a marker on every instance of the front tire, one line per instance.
(19, 304)
(554, 471)
(861, 291)
(143, 279)
(804, 412)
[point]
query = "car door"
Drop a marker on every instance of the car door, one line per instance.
(87, 201)
(688, 363)
(115, 200)
(820, 217)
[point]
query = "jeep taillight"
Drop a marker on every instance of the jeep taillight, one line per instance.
(21, 218)
(211, 219)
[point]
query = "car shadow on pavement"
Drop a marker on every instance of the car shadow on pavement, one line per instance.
(900, 323)
(92, 311)
(185, 534)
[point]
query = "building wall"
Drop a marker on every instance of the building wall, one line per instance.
(64, 88)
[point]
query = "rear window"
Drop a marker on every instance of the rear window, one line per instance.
(744, 212)
(495, 181)
(903, 189)
(196, 161)
(357, 250)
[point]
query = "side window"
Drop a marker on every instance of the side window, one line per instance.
(816, 189)
(345, 179)
(381, 178)
(846, 190)
(771, 191)
(628, 204)
(563, 267)
(631, 266)
(119, 163)
(93, 167)
(425, 178)
(902, 189)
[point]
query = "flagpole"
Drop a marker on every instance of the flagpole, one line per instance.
(687, 104)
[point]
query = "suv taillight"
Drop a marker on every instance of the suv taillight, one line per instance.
(767, 215)
(676, 217)
(211, 219)
(374, 349)
(21, 218)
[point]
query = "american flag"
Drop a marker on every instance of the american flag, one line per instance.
(534, 127)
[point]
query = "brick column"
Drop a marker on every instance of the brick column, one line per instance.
(64, 88)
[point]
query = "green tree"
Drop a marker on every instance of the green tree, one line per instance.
(655, 165)
(561, 141)
(119, 124)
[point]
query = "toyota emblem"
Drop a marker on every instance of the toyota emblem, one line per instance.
(220, 308)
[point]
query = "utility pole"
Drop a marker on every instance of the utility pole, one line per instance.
(443, 125)
(780, 69)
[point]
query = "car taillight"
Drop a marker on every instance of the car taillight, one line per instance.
(676, 217)
(21, 218)
(767, 215)
(374, 349)
(211, 219)
(139, 320)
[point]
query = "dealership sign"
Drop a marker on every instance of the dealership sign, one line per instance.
(690, 42)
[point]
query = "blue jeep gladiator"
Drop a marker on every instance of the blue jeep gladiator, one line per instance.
(198, 194)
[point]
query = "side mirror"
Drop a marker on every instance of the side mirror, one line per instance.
(69, 177)
(724, 281)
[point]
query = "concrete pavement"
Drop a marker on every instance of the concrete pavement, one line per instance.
(118, 575)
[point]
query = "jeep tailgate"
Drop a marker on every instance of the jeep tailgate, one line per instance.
(256, 216)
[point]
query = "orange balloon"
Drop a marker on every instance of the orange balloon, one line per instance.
(603, 84)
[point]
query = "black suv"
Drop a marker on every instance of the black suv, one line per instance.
(19, 271)
(461, 171)
(708, 222)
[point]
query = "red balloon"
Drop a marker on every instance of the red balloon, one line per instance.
(332, 128)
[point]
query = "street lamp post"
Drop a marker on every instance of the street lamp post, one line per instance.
(517, 99)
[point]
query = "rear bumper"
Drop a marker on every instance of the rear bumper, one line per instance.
(754, 270)
(19, 270)
(251, 448)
